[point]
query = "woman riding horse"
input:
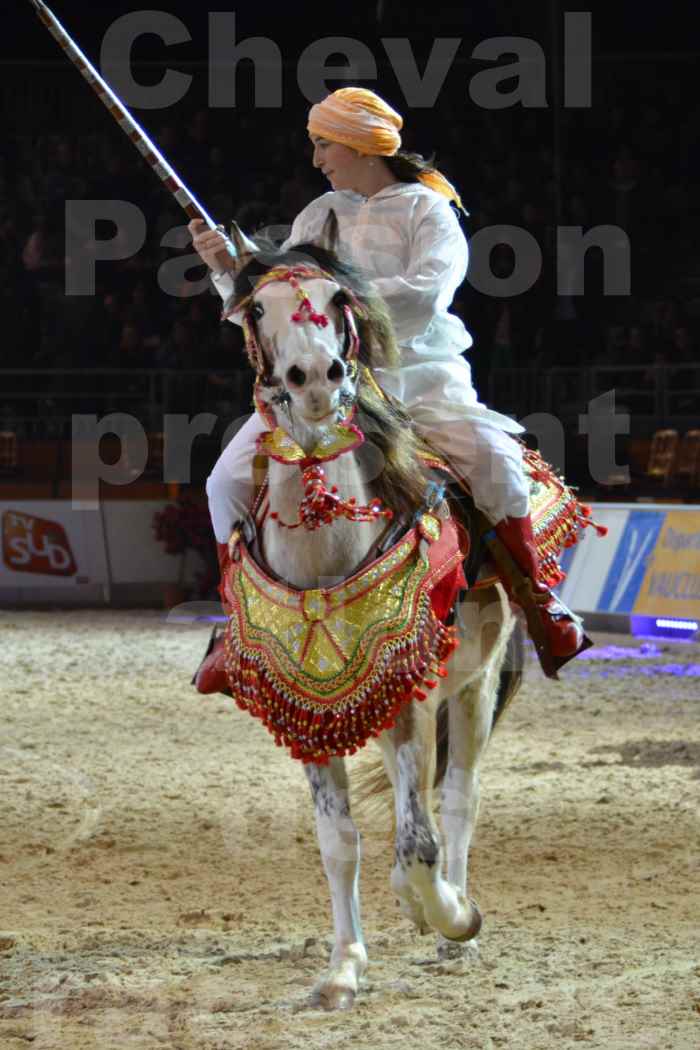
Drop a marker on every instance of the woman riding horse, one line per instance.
(396, 221)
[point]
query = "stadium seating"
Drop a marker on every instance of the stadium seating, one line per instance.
(662, 456)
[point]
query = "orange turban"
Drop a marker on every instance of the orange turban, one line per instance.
(360, 119)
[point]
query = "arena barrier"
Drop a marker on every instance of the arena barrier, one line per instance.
(646, 570)
(53, 552)
(644, 576)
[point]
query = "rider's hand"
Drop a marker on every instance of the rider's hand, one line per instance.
(210, 246)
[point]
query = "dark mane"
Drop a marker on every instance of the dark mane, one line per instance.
(401, 484)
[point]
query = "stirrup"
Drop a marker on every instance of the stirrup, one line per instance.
(533, 609)
(210, 676)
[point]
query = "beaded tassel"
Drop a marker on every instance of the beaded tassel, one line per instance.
(321, 506)
(314, 735)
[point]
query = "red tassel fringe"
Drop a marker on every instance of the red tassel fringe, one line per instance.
(314, 733)
(562, 526)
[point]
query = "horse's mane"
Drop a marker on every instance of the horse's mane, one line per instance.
(401, 484)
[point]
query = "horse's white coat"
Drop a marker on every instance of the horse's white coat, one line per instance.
(429, 896)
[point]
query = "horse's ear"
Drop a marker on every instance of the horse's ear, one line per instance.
(245, 247)
(329, 233)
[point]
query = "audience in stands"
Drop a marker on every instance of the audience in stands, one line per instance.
(621, 163)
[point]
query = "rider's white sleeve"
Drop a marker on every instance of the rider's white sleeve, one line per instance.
(421, 292)
(223, 282)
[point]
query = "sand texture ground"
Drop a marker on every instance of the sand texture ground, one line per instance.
(160, 883)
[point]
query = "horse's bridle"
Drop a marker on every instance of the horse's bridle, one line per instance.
(320, 505)
(305, 313)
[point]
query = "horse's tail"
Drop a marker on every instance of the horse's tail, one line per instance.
(371, 784)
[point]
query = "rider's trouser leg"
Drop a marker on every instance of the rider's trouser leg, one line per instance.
(491, 461)
(230, 489)
(230, 486)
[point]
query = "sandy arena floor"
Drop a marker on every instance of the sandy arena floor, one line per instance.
(160, 884)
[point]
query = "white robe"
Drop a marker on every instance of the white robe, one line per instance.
(409, 243)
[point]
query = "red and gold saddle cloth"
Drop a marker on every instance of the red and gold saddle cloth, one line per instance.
(558, 516)
(327, 669)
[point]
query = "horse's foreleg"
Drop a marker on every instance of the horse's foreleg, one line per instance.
(339, 841)
(417, 873)
(470, 716)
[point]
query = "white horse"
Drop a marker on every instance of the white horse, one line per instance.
(308, 381)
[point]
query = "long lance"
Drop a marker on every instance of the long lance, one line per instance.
(132, 129)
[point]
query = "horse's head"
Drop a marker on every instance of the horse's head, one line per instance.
(300, 327)
(310, 320)
(315, 330)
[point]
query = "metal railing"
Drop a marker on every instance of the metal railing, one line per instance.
(649, 392)
(39, 403)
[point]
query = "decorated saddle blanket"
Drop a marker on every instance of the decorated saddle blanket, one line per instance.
(557, 515)
(326, 669)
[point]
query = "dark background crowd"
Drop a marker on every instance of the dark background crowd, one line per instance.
(630, 160)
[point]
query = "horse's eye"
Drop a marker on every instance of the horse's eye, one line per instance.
(339, 299)
(257, 311)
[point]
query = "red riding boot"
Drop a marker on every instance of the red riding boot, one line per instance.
(210, 676)
(558, 633)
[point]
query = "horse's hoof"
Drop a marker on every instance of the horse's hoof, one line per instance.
(473, 927)
(451, 951)
(333, 999)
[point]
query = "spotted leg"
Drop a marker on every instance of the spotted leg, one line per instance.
(339, 841)
(409, 751)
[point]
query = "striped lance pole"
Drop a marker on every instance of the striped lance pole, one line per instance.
(131, 128)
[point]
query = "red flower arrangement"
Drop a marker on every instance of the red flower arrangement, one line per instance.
(185, 525)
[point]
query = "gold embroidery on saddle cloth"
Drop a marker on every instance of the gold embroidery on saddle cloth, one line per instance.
(558, 516)
(325, 669)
